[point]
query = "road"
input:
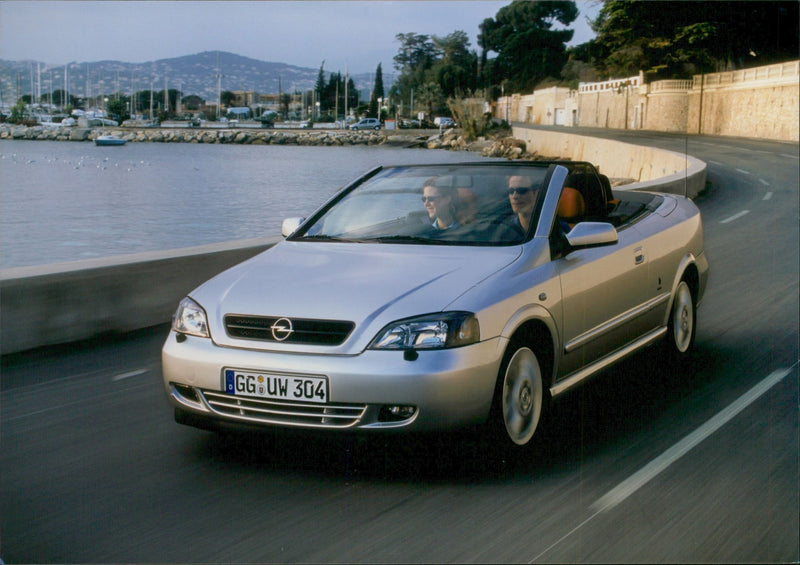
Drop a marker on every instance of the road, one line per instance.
(638, 466)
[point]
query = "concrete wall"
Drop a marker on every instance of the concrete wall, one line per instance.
(761, 102)
(650, 168)
(62, 303)
(666, 107)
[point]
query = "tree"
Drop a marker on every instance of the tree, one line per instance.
(377, 94)
(118, 108)
(319, 87)
(416, 51)
(141, 100)
(227, 98)
(456, 69)
(18, 111)
(416, 55)
(678, 39)
(431, 97)
(192, 102)
(284, 102)
(528, 48)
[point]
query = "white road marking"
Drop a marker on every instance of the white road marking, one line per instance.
(790, 156)
(767, 196)
(128, 375)
(762, 181)
(744, 172)
(649, 471)
(735, 217)
(633, 483)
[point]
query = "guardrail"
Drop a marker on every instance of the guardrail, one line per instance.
(66, 302)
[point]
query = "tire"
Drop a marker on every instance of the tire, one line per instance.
(377, 128)
(682, 323)
(520, 398)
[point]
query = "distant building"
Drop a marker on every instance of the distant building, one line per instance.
(242, 98)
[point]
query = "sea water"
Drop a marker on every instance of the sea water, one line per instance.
(67, 201)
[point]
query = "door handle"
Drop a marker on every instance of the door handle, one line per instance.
(638, 255)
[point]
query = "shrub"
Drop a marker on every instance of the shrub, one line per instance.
(469, 115)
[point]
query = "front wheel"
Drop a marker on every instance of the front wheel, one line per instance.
(519, 398)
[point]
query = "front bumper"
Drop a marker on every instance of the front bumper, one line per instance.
(448, 388)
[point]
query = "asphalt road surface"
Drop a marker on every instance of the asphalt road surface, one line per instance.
(640, 465)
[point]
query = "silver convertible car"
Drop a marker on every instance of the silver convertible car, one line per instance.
(438, 296)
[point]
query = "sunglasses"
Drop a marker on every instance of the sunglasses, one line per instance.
(521, 191)
(430, 198)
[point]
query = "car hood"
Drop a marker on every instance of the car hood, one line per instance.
(368, 284)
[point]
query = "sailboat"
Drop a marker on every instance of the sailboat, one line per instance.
(109, 139)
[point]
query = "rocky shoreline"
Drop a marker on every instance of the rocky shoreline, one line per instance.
(450, 139)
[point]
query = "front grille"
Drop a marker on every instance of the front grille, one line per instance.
(307, 332)
(284, 413)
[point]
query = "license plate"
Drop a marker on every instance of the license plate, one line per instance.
(276, 387)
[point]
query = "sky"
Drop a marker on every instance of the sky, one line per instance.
(348, 35)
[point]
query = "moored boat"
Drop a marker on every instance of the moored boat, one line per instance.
(109, 140)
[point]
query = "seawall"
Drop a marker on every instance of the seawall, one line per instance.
(241, 136)
(62, 303)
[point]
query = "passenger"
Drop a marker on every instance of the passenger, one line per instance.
(441, 202)
(522, 197)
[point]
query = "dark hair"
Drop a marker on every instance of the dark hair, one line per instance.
(444, 190)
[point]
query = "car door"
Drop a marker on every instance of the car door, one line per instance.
(603, 292)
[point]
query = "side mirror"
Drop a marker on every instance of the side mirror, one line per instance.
(592, 234)
(290, 226)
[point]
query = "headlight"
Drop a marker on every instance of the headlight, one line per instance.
(434, 331)
(190, 319)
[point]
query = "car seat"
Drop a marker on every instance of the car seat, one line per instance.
(571, 206)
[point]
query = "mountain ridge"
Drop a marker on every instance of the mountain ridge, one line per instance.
(191, 74)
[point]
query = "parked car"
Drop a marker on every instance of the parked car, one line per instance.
(367, 123)
(444, 122)
(409, 124)
(368, 318)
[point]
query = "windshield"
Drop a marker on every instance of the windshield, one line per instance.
(448, 204)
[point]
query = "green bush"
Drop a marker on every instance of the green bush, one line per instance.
(469, 116)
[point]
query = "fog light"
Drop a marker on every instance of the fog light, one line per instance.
(396, 412)
(186, 392)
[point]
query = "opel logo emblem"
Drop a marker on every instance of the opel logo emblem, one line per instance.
(281, 329)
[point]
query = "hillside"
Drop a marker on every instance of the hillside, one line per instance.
(192, 74)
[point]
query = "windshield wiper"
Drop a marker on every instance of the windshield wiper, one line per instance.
(323, 237)
(407, 239)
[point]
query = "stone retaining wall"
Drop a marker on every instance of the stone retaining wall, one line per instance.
(761, 102)
(199, 135)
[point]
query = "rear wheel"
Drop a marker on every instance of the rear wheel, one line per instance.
(519, 400)
(682, 318)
